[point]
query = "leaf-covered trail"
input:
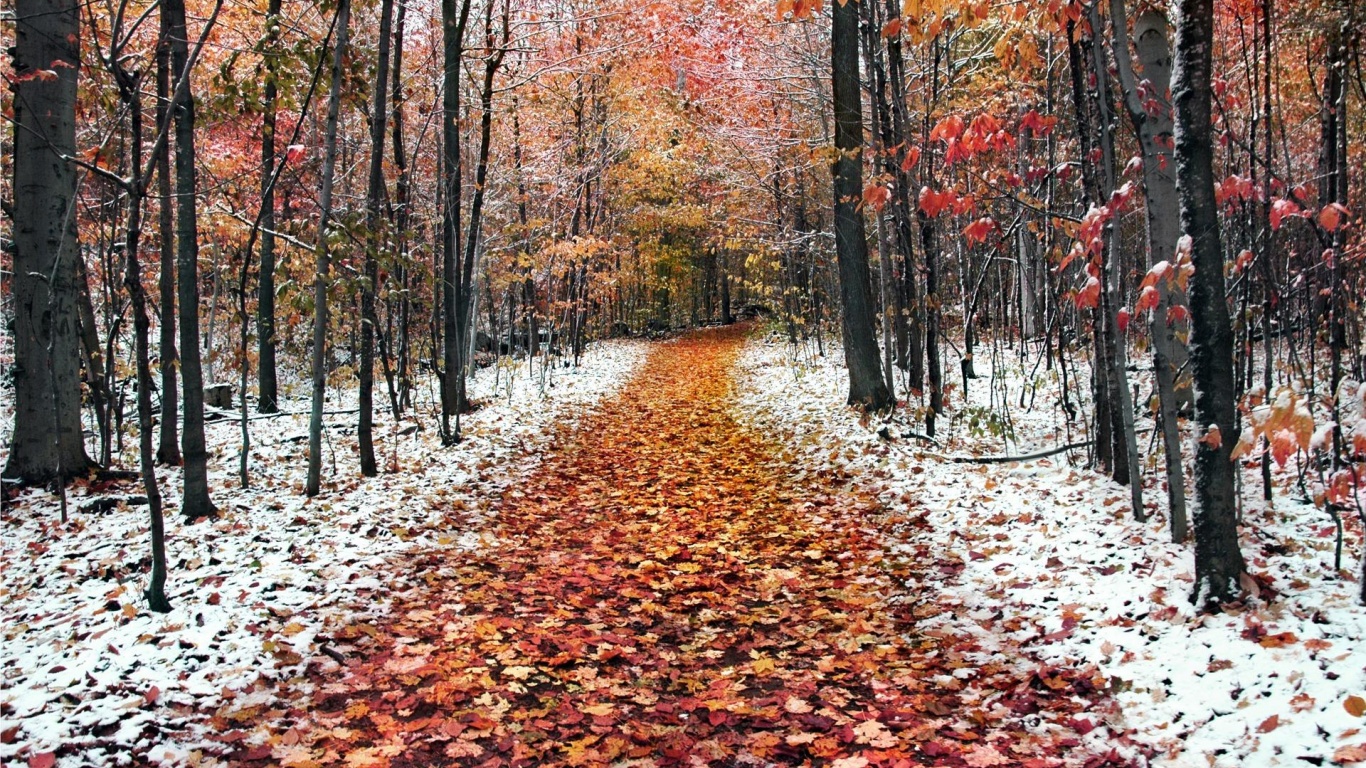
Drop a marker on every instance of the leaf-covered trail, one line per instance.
(659, 592)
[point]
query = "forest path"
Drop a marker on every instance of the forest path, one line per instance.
(659, 592)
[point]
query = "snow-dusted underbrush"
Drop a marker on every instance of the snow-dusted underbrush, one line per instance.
(1044, 556)
(88, 673)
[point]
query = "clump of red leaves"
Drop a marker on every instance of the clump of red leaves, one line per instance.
(661, 593)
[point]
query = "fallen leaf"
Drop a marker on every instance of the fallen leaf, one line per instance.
(1352, 753)
(984, 756)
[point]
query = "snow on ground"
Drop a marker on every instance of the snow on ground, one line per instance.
(1046, 553)
(88, 672)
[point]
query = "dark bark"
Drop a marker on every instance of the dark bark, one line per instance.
(47, 443)
(168, 438)
(1127, 471)
(453, 21)
(374, 197)
(130, 93)
(320, 278)
(866, 386)
(465, 315)
(1218, 560)
(267, 400)
(95, 361)
(400, 217)
(909, 303)
(195, 501)
(882, 138)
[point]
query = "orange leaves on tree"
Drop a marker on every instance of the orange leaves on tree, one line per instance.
(1089, 296)
(1281, 209)
(1333, 217)
(891, 29)
(963, 140)
(1283, 445)
(912, 157)
(1284, 421)
(1233, 189)
(1342, 486)
(798, 9)
(977, 231)
(1164, 278)
(876, 196)
(984, 124)
(949, 128)
(934, 202)
(1037, 124)
(1147, 299)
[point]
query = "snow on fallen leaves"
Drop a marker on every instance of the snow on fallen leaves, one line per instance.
(664, 593)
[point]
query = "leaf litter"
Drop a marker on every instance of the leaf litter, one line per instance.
(92, 678)
(666, 590)
(1042, 559)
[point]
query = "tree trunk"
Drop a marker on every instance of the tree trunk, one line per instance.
(1154, 127)
(465, 315)
(130, 93)
(909, 304)
(453, 22)
(1112, 298)
(195, 501)
(1218, 560)
(320, 277)
(95, 361)
(866, 386)
(168, 438)
(374, 197)
(880, 113)
(267, 399)
(47, 443)
(401, 218)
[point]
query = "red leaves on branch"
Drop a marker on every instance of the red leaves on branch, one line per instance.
(934, 202)
(1333, 217)
(876, 196)
(978, 230)
(1281, 209)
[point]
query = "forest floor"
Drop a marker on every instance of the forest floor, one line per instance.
(1043, 559)
(684, 553)
(661, 591)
